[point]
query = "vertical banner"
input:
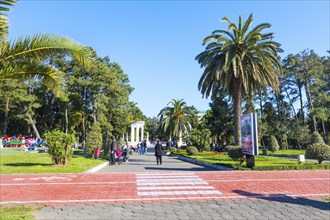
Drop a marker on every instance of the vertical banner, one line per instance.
(249, 134)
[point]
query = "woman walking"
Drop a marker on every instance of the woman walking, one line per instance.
(158, 152)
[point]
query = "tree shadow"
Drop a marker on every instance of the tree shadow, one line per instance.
(283, 198)
(26, 164)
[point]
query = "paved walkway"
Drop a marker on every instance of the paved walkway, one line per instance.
(140, 189)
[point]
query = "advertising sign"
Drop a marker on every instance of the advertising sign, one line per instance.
(249, 134)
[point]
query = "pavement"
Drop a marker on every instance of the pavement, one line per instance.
(141, 189)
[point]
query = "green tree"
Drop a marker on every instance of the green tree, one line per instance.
(239, 62)
(177, 118)
(24, 57)
(94, 139)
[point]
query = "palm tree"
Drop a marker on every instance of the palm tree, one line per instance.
(240, 62)
(178, 118)
(26, 56)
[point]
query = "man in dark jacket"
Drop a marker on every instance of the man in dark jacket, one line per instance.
(113, 149)
(158, 152)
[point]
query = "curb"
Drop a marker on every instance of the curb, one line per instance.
(214, 166)
(97, 168)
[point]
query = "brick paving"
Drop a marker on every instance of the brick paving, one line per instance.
(176, 190)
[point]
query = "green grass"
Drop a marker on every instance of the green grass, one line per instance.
(262, 162)
(292, 152)
(17, 212)
(27, 162)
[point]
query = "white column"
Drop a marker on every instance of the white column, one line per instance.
(132, 134)
(147, 137)
(180, 139)
(137, 134)
(127, 136)
(142, 134)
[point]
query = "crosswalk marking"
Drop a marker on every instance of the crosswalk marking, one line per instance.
(162, 193)
(172, 184)
(172, 187)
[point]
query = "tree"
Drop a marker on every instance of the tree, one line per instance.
(24, 57)
(239, 62)
(94, 139)
(178, 118)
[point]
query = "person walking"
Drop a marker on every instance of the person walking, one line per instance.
(113, 149)
(158, 152)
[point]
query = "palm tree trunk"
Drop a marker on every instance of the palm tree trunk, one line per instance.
(237, 110)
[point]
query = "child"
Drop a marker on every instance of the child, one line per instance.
(97, 153)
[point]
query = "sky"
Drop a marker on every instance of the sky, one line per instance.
(156, 42)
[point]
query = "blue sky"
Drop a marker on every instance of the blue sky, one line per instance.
(156, 42)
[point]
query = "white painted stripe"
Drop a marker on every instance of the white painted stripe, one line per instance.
(158, 198)
(72, 183)
(156, 177)
(163, 174)
(173, 183)
(132, 182)
(195, 192)
(172, 187)
(168, 180)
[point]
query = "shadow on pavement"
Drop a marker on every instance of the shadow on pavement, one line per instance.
(283, 198)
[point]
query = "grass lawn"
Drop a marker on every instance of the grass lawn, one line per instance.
(17, 212)
(17, 162)
(262, 162)
(292, 152)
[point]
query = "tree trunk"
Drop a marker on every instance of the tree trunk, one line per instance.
(301, 101)
(310, 102)
(34, 127)
(291, 103)
(237, 110)
(5, 120)
(83, 129)
(325, 138)
(66, 120)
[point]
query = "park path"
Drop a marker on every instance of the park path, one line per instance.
(55, 189)
(175, 190)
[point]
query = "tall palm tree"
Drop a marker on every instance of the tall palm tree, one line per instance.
(26, 56)
(177, 118)
(240, 62)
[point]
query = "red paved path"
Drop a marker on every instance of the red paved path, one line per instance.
(51, 189)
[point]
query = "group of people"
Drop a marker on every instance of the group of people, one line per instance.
(118, 155)
(25, 143)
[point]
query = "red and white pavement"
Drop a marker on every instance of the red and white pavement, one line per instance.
(53, 189)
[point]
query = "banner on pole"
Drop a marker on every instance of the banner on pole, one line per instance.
(249, 134)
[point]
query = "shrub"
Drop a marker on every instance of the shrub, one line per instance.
(316, 138)
(173, 149)
(94, 139)
(318, 151)
(235, 153)
(273, 144)
(60, 146)
(192, 150)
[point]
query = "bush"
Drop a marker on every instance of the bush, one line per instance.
(316, 138)
(235, 153)
(273, 144)
(318, 151)
(173, 149)
(191, 150)
(60, 146)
